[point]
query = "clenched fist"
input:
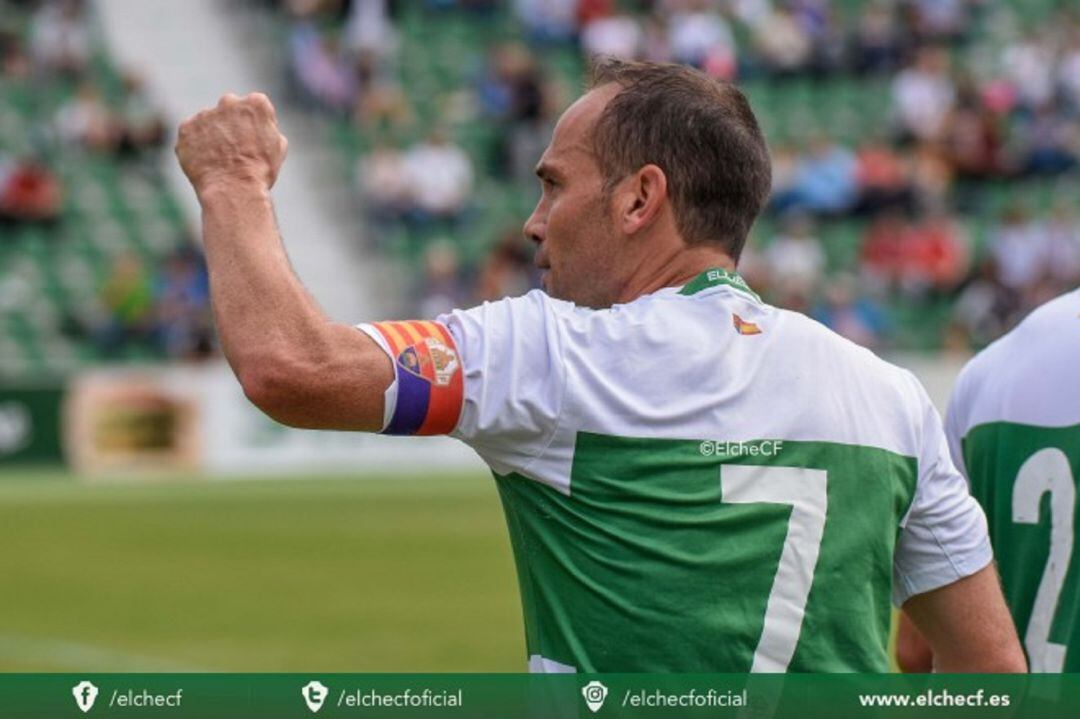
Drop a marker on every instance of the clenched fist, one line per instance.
(236, 142)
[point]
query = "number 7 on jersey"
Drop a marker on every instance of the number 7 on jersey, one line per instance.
(806, 490)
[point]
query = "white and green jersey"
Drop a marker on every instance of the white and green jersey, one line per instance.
(694, 481)
(1014, 429)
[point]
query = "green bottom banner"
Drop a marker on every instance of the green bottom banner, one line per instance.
(494, 696)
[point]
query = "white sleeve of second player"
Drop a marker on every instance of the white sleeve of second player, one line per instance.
(944, 536)
(514, 378)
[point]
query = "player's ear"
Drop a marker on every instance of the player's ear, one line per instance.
(644, 196)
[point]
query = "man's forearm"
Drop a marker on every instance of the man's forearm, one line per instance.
(968, 626)
(261, 309)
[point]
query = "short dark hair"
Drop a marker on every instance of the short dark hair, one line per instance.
(700, 131)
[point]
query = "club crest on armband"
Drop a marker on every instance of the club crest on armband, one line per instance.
(430, 359)
(444, 360)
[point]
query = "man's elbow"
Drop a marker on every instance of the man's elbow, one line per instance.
(340, 389)
(912, 659)
(275, 386)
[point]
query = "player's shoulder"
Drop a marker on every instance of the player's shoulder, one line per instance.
(530, 314)
(848, 361)
(532, 302)
(794, 344)
(1044, 330)
(1028, 368)
(857, 397)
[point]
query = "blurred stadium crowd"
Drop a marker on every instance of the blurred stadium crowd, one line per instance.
(96, 260)
(926, 175)
(925, 151)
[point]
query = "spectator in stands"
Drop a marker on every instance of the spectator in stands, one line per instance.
(529, 136)
(383, 182)
(878, 45)
(589, 10)
(825, 181)
(928, 256)
(782, 44)
(1050, 141)
(785, 165)
(548, 21)
(512, 95)
(936, 255)
(127, 298)
(383, 110)
(182, 306)
(86, 120)
(495, 86)
(443, 287)
(883, 255)
(369, 30)
(29, 192)
(857, 318)
(440, 176)
(795, 259)
(828, 35)
(141, 125)
(507, 271)
(699, 36)
(986, 308)
(320, 72)
(612, 34)
(60, 37)
(14, 64)
(1029, 65)
(973, 140)
(931, 174)
(883, 177)
(656, 38)
(1019, 247)
(938, 20)
(923, 95)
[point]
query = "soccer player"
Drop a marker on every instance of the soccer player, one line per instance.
(1014, 429)
(693, 480)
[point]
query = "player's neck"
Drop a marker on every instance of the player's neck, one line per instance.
(673, 269)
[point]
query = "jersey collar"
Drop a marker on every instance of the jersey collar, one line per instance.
(714, 277)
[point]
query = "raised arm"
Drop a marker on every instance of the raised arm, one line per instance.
(292, 361)
(968, 627)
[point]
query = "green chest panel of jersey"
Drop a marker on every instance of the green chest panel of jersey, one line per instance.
(1025, 477)
(690, 556)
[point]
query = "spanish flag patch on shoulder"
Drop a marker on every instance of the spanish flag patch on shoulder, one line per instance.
(430, 380)
(743, 327)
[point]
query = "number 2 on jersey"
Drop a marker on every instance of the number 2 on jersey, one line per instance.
(1047, 471)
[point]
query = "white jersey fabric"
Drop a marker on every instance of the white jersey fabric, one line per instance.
(716, 364)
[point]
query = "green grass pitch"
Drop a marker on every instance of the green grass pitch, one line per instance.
(302, 574)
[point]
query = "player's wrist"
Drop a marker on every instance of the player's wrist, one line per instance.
(230, 187)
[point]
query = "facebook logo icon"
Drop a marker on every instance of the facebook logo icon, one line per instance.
(85, 695)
